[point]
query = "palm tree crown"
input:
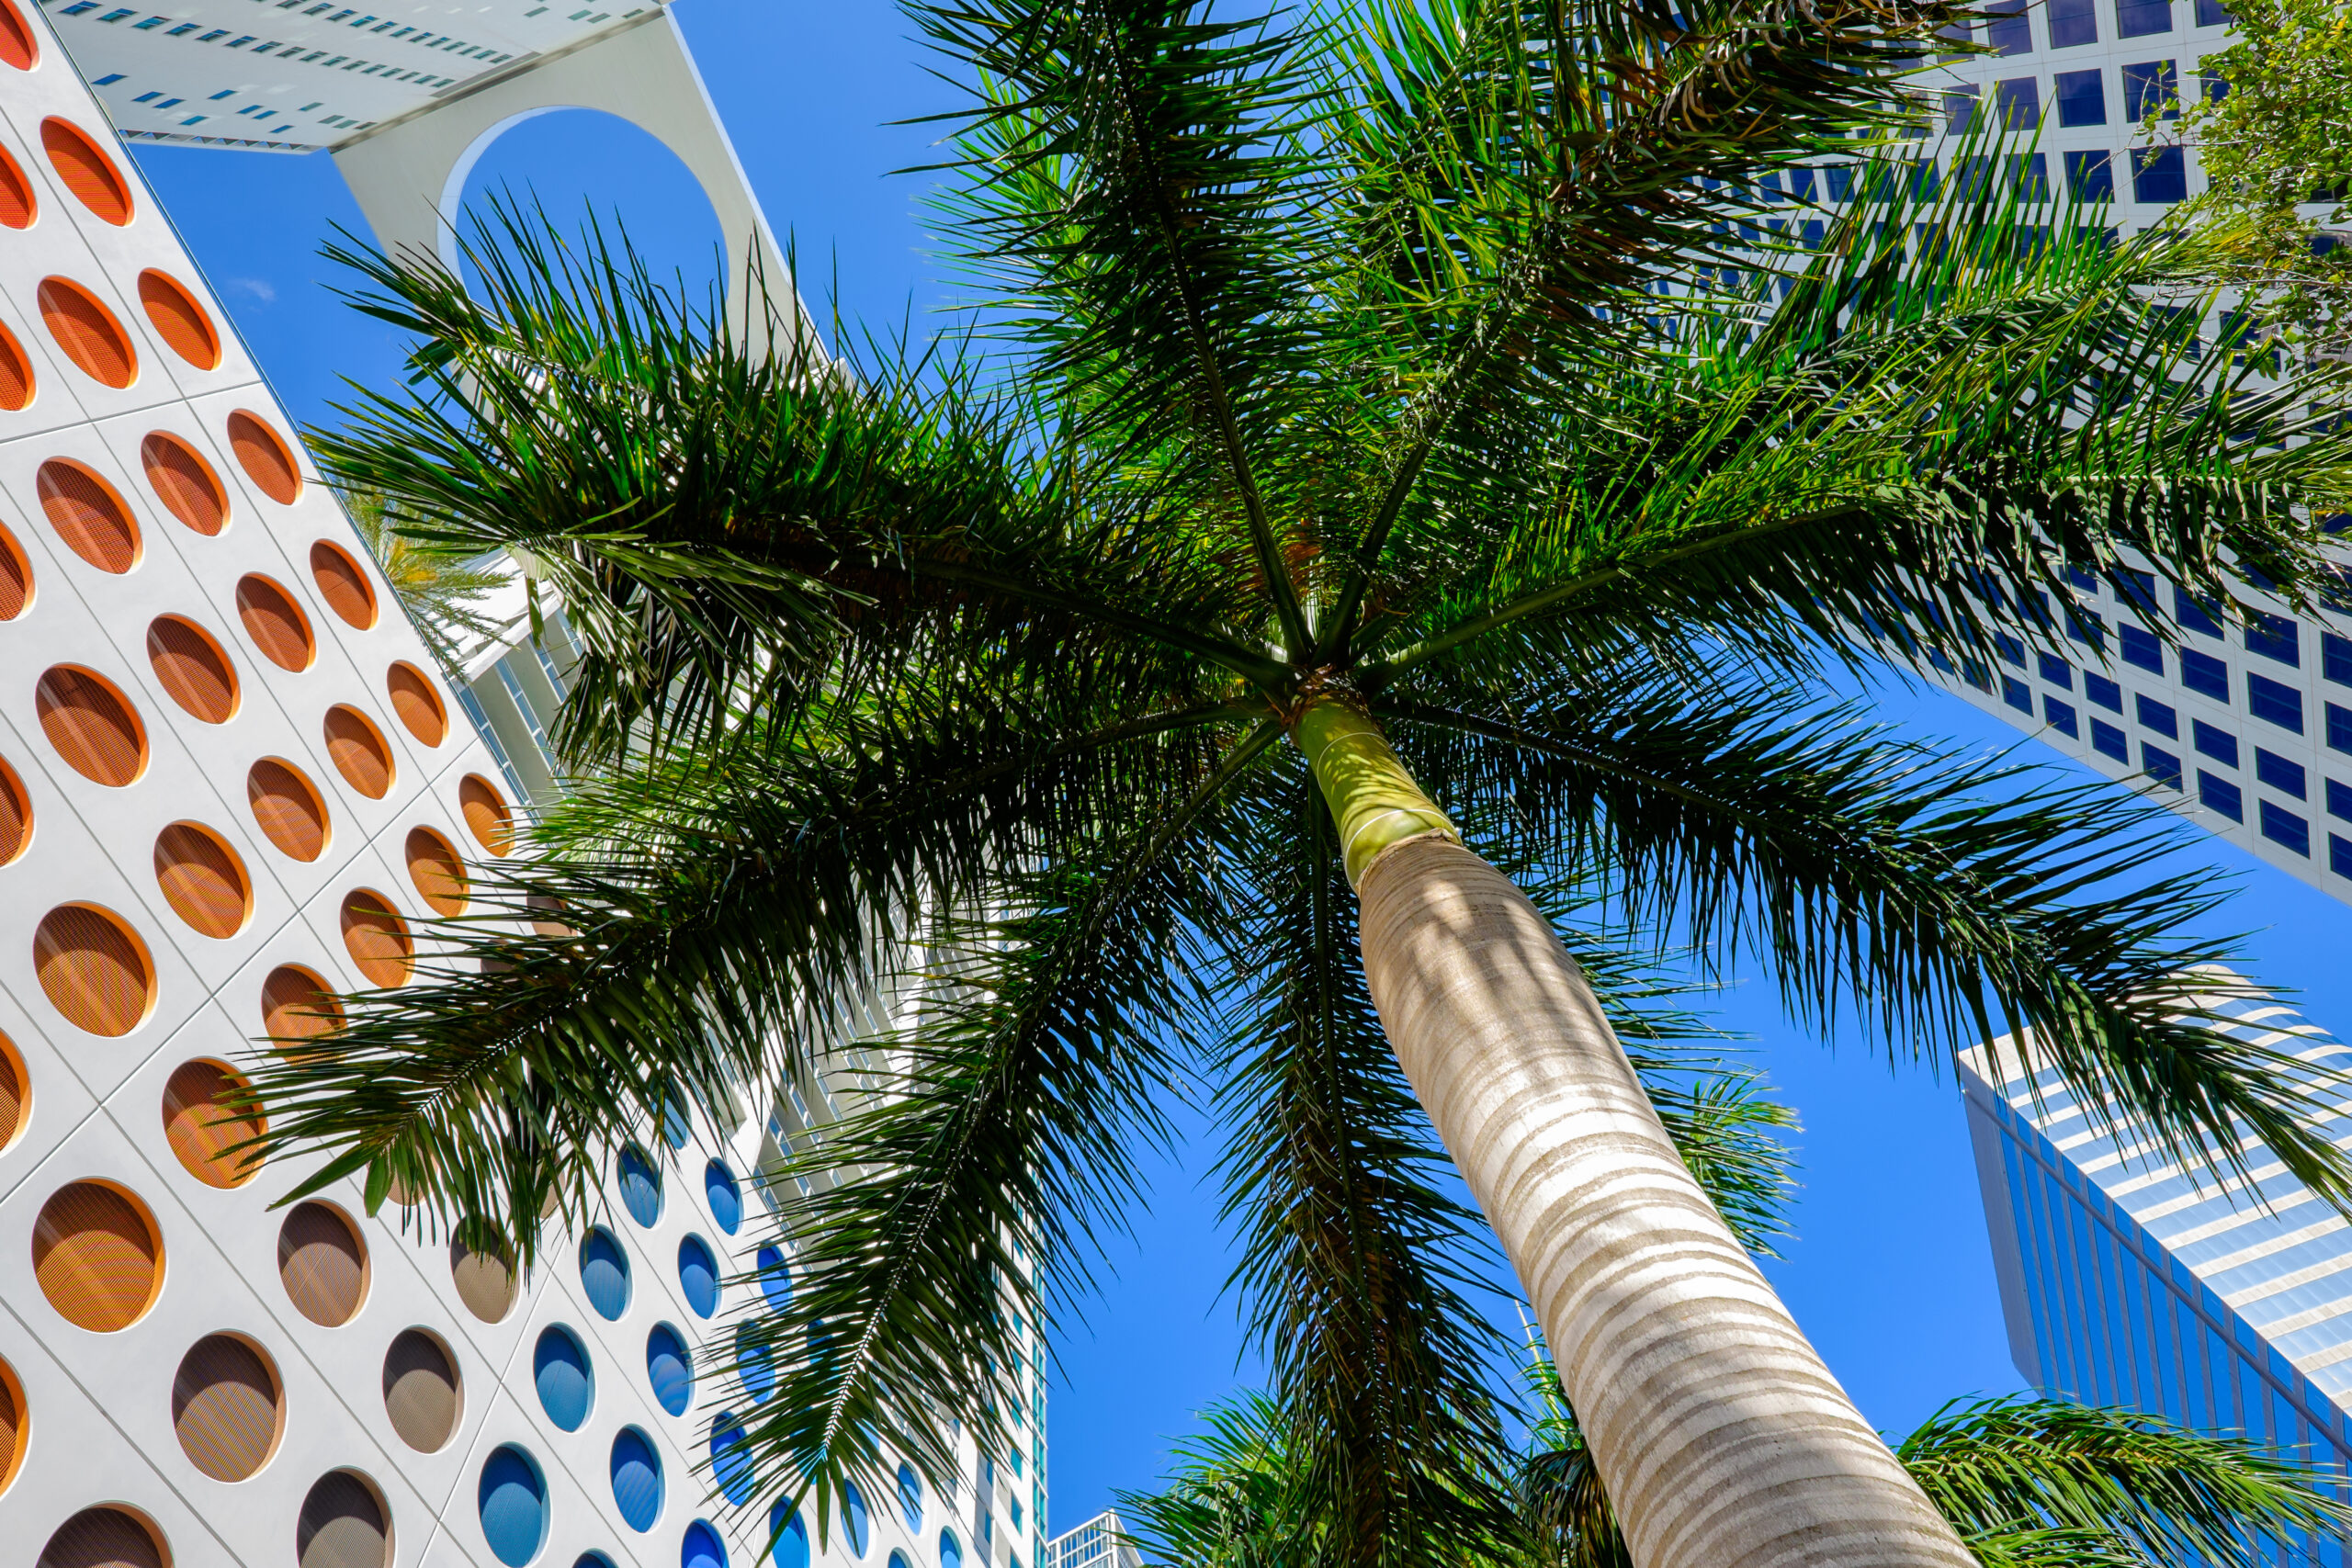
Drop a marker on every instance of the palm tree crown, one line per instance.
(1338, 461)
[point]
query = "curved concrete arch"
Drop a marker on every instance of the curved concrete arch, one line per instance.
(408, 175)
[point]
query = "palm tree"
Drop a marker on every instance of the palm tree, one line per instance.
(443, 595)
(2026, 1482)
(1330, 542)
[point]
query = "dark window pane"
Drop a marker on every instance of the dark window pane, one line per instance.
(2073, 22)
(2019, 100)
(2102, 691)
(2090, 177)
(2159, 176)
(2340, 855)
(2286, 777)
(2150, 87)
(2006, 28)
(2082, 97)
(2214, 742)
(2336, 658)
(2274, 637)
(2138, 18)
(2220, 795)
(2159, 716)
(2339, 799)
(2107, 741)
(1801, 184)
(2282, 827)
(2141, 647)
(2014, 691)
(2339, 729)
(1960, 109)
(2012, 651)
(2216, 87)
(2213, 13)
(2061, 718)
(2054, 670)
(2192, 614)
(1841, 180)
(2203, 673)
(2160, 764)
(2274, 701)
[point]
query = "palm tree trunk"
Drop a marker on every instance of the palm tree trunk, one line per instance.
(1722, 1438)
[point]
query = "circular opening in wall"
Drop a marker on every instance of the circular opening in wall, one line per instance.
(275, 623)
(228, 1407)
(637, 1479)
(206, 1121)
(18, 48)
(376, 938)
(194, 670)
(604, 1273)
(791, 1547)
(18, 205)
(87, 171)
(670, 1368)
(482, 1267)
(487, 817)
(287, 808)
(16, 815)
(343, 1523)
(342, 585)
(423, 1395)
(702, 1548)
(89, 515)
(724, 1195)
(322, 1264)
(776, 1276)
(179, 320)
(730, 1457)
(296, 1005)
(16, 1094)
(699, 1276)
(110, 1536)
(360, 751)
(436, 871)
(265, 457)
(513, 1502)
(94, 969)
(755, 1363)
(203, 880)
(15, 1426)
(910, 1498)
(417, 703)
(92, 725)
(185, 482)
(97, 1256)
(564, 1376)
(16, 578)
(640, 1186)
(87, 331)
(15, 374)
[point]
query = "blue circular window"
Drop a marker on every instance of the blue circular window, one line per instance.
(911, 1496)
(854, 1519)
(675, 1128)
(725, 1197)
(898, 1559)
(951, 1550)
(566, 1382)
(699, 1276)
(775, 1277)
(670, 1368)
(604, 1272)
(755, 1367)
(513, 1498)
(702, 1548)
(730, 1457)
(791, 1547)
(637, 1479)
(594, 1560)
(640, 1187)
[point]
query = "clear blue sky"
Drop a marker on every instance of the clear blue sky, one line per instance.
(1889, 1273)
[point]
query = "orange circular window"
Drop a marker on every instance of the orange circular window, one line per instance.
(94, 969)
(18, 50)
(378, 938)
(185, 482)
(16, 815)
(88, 333)
(192, 668)
(343, 585)
(203, 879)
(87, 171)
(15, 374)
(275, 623)
(88, 514)
(92, 727)
(418, 704)
(97, 1256)
(359, 753)
(15, 1429)
(18, 205)
(296, 1005)
(487, 817)
(287, 806)
(262, 453)
(16, 1113)
(206, 1121)
(439, 874)
(228, 1407)
(15, 576)
(179, 320)
(322, 1264)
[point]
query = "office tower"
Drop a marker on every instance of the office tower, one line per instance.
(232, 781)
(2223, 1305)
(1101, 1542)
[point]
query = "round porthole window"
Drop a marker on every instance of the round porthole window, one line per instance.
(640, 1183)
(755, 1364)
(669, 1369)
(790, 1547)
(911, 1496)
(776, 1276)
(637, 1479)
(513, 1501)
(604, 1273)
(343, 1523)
(111, 1536)
(228, 1408)
(565, 1379)
(724, 1196)
(702, 1548)
(730, 1457)
(854, 1518)
(951, 1550)
(97, 1257)
(423, 1395)
(699, 1276)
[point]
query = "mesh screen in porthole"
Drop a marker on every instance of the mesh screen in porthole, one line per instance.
(564, 1377)
(288, 809)
(343, 1524)
(97, 1257)
(604, 1273)
(511, 1500)
(701, 1548)
(637, 1479)
(204, 1125)
(203, 879)
(322, 1264)
(417, 704)
(422, 1393)
(228, 1407)
(15, 1429)
(482, 1270)
(193, 669)
(179, 320)
(185, 482)
(640, 1183)
(262, 453)
(94, 969)
(724, 1196)
(730, 1457)
(85, 170)
(755, 1363)
(108, 1536)
(88, 332)
(699, 1276)
(791, 1533)
(669, 1369)
(90, 725)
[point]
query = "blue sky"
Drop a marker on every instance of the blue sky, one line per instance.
(1890, 1272)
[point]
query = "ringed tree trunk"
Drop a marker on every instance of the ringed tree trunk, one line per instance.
(1723, 1440)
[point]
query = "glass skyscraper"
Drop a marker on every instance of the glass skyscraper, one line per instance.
(2223, 1305)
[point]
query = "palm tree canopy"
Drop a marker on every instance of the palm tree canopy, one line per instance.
(1317, 357)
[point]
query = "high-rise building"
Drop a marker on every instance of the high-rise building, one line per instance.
(1101, 1542)
(2219, 1303)
(232, 781)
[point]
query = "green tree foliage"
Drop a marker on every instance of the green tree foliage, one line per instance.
(444, 595)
